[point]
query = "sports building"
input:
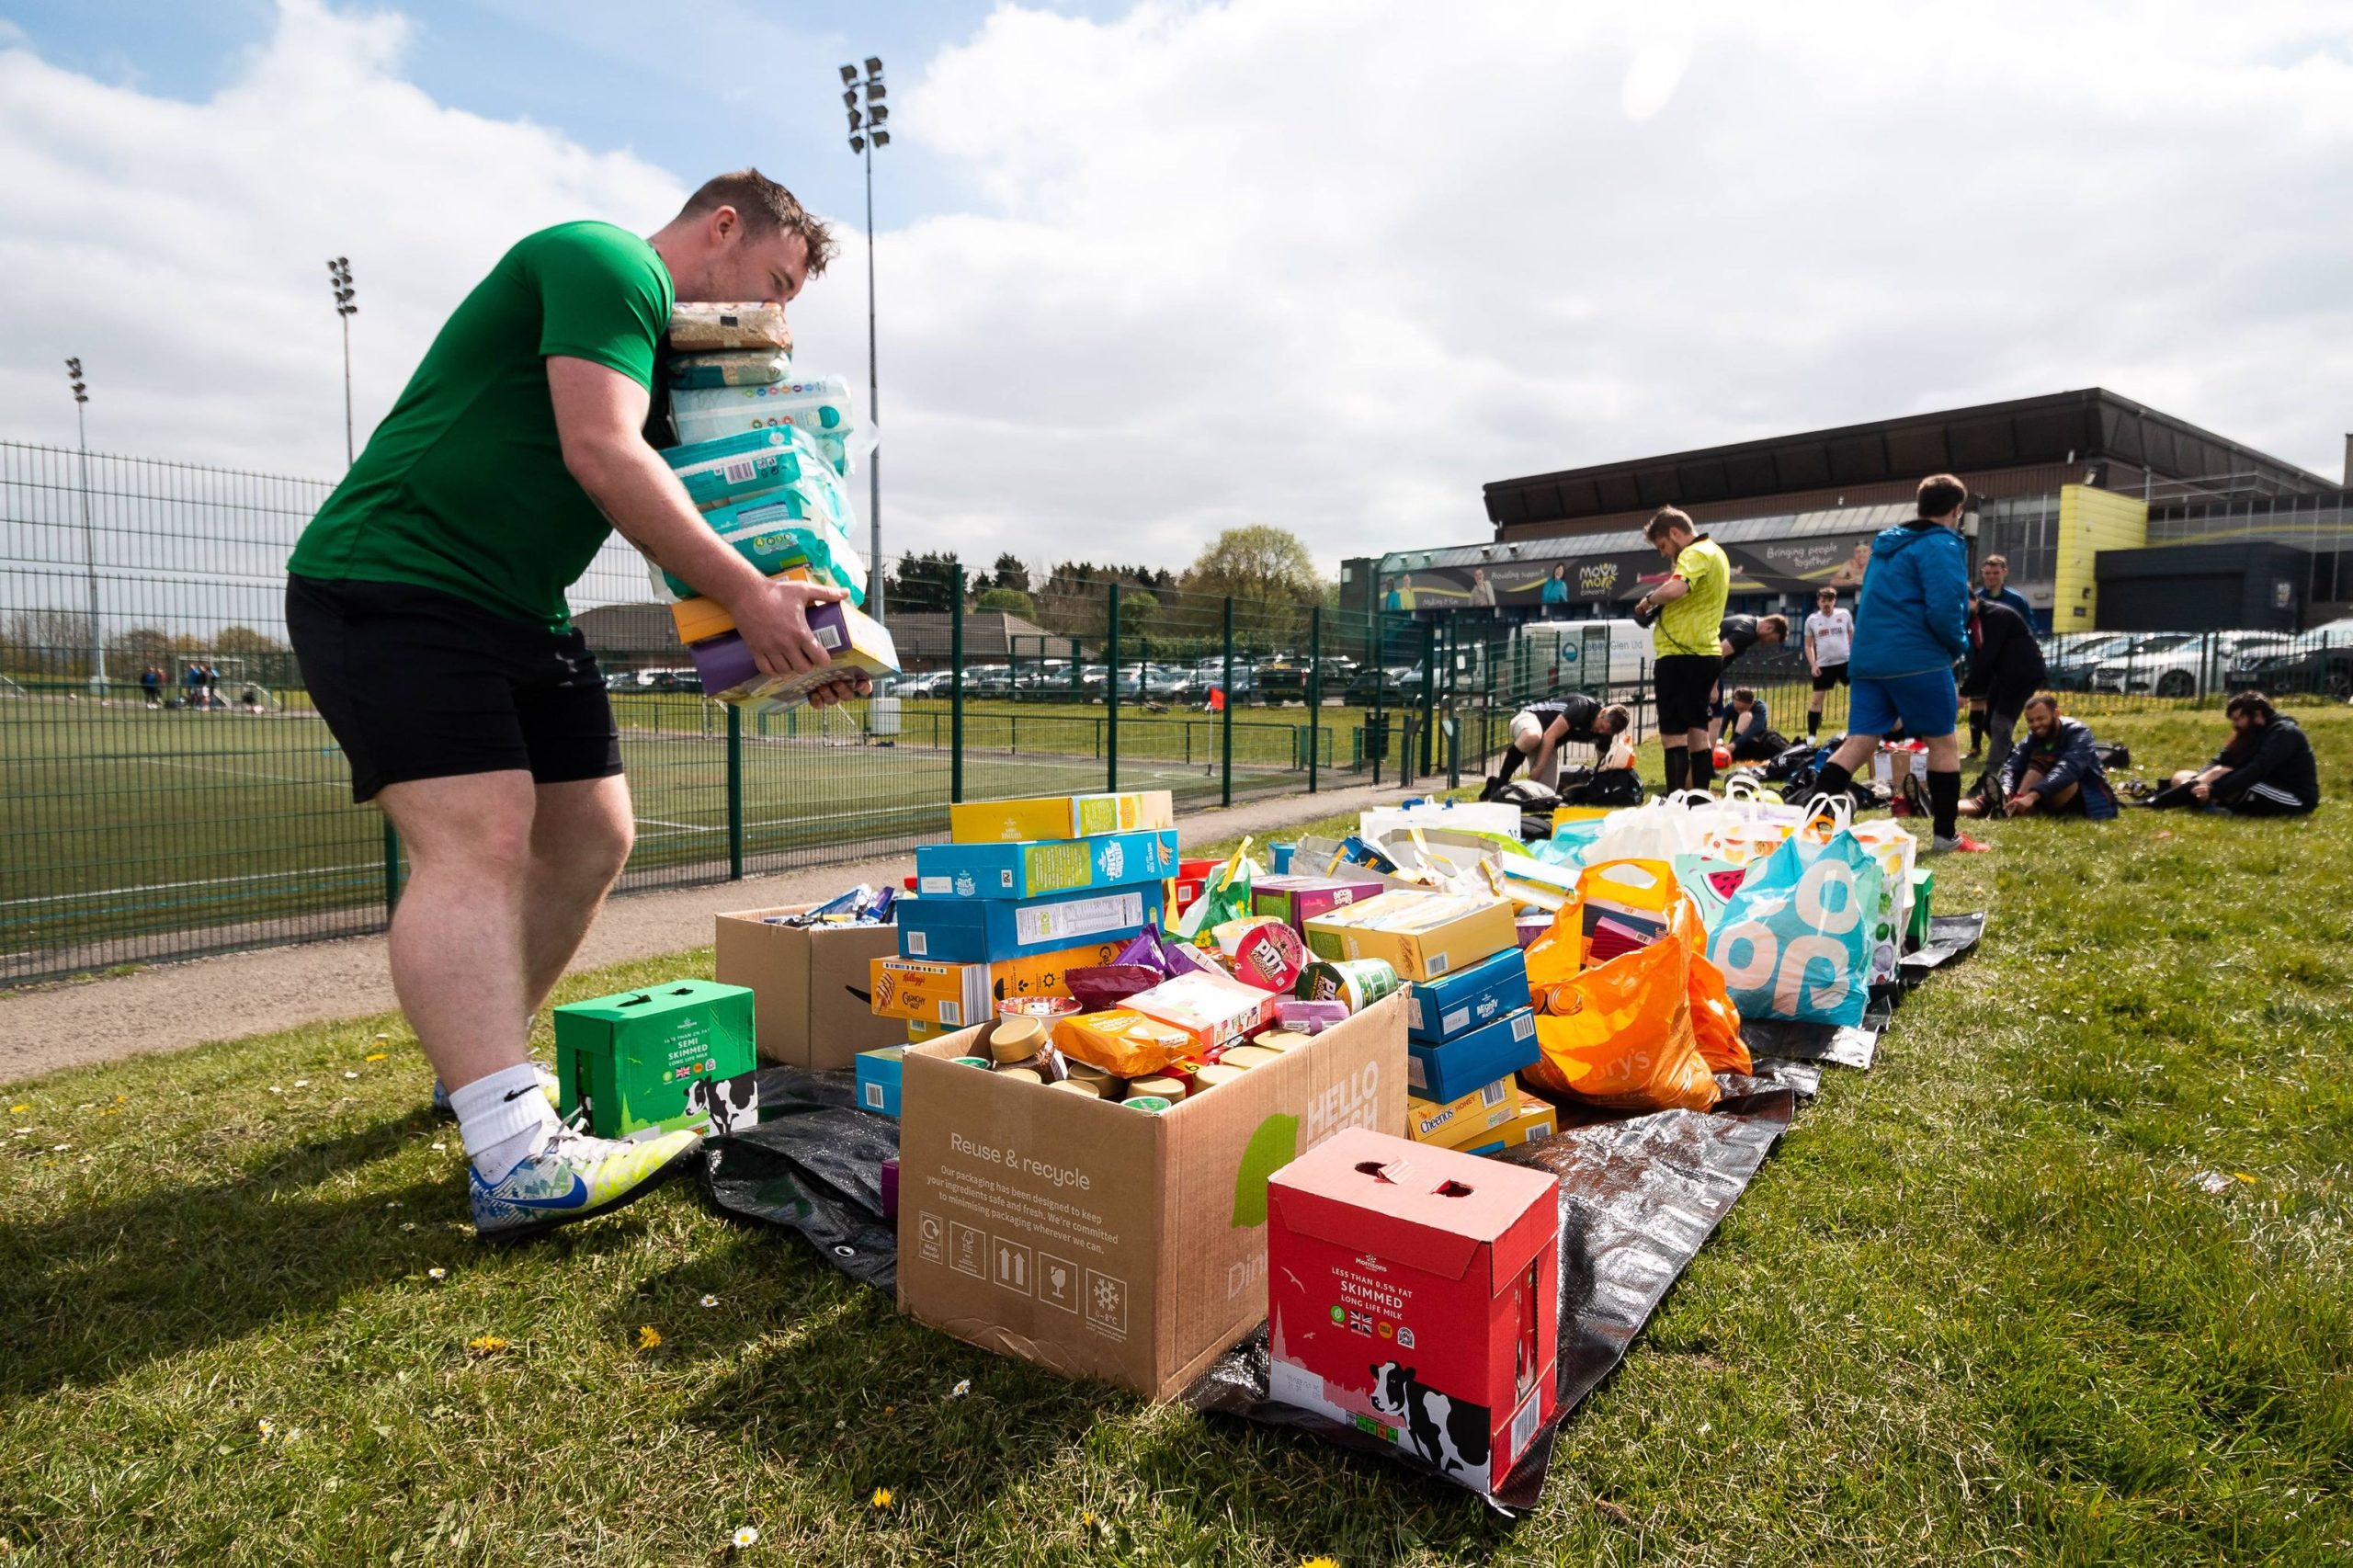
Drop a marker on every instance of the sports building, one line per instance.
(2113, 515)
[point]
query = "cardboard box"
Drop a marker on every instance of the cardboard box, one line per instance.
(1536, 1120)
(953, 996)
(852, 640)
(1470, 998)
(1214, 1009)
(1110, 1243)
(879, 1074)
(1060, 816)
(699, 620)
(1025, 870)
(990, 930)
(1465, 1120)
(1297, 900)
(810, 984)
(1421, 936)
(646, 1062)
(1442, 1073)
(1413, 1292)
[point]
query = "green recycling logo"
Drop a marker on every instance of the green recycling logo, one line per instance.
(1272, 1147)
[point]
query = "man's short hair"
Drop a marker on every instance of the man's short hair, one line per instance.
(1941, 493)
(1779, 623)
(2041, 699)
(766, 208)
(1664, 519)
(2001, 561)
(1742, 694)
(2251, 704)
(1825, 592)
(1619, 717)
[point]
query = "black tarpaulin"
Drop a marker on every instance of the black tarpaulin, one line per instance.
(813, 1164)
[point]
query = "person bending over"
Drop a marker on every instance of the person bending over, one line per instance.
(2268, 770)
(1749, 729)
(2056, 771)
(1736, 636)
(1686, 642)
(1911, 623)
(426, 602)
(2005, 668)
(1829, 637)
(1540, 729)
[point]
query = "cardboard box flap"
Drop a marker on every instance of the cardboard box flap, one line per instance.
(1430, 1208)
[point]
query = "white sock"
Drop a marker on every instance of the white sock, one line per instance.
(503, 1118)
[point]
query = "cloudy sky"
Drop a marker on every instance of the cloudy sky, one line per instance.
(1150, 270)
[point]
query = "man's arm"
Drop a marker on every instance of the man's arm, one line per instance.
(1666, 593)
(2257, 768)
(1540, 765)
(599, 417)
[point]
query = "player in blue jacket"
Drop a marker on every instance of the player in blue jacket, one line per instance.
(1911, 624)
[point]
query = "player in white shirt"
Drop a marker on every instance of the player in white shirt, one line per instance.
(1829, 638)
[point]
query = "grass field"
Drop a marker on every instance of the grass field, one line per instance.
(121, 827)
(2063, 1279)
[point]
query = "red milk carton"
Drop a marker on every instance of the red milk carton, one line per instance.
(1413, 1292)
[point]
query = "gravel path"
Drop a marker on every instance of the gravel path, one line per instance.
(172, 1006)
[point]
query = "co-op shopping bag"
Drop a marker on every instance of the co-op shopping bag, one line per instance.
(1795, 941)
(1645, 1031)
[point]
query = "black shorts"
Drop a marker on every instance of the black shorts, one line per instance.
(1830, 675)
(1686, 686)
(419, 683)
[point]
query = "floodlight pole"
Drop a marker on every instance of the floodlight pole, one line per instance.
(346, 295)
(868, 115)
(89, 539)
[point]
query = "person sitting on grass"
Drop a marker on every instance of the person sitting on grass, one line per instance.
(1540, 729)
(2056, 771)
(1748, 729)
(2267, 769)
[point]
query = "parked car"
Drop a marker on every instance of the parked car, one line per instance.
(2073, 656)
(987, 680)
(2181, 664)
(925, 682)
(2318, 663)
(1397, 685)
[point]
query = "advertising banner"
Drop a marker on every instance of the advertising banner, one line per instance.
(1564, 576)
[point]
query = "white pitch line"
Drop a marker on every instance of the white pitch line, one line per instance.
(250, 773)
(681, 826)
(199, 882)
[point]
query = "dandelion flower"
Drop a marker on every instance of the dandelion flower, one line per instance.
(1087, 1519)
(487, 1344)
(376, 1056)
(745, 1536)
(646, 1336)
(882, 1497)
(436, 1274)
(710, 1300)
(1321, 1562)
(19, 1109)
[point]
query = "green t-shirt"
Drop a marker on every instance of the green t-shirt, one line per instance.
(1689, 624)
(462, 487)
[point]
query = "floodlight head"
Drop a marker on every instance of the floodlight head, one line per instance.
(344, 262)
(856, 119)
(858, 144)
(879, 113)
(74, 367)
(881, 138)
(849, 72)
(874, 90)
(874, 65)
(849, 98)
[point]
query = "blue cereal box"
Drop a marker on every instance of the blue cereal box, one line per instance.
(1448, 1072)
(1470, 998)
(1027, 870)
(878, 1079)
(990, 930)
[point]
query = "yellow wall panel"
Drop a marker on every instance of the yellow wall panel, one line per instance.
(2090, 520)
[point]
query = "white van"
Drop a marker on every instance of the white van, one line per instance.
(1595, 656)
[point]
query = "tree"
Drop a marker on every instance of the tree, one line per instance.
(1013, 601)
(1137, 609)
(924, 582)
(1272, 579)
(1012, 572)
(243, 641)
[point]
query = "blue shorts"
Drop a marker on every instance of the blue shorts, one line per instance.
(1928, 703)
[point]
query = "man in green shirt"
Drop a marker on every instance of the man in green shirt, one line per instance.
(1688, 655)
(427, 604)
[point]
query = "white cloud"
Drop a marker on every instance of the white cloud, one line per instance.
(1330, 267)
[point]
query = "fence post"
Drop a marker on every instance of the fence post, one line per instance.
(1428, 760)
(392, 869)
(1111, 696)
(735, 793)
(1314, 693)
(1225, 716)
(1077, 672)
(1379, 707)
(956, 688)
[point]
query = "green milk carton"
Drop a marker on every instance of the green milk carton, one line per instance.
(650, 1062)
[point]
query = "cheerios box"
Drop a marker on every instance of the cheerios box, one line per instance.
(644, 1062)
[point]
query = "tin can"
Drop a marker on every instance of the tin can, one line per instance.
(1022, 1074)
(1249, 1056)
(1080, 1086)
(1165, 1088)
(972, 1062)
(1210, 1078)
(1016, 1037)
(1152, 1103)
(1281, 1041)
(1360, 982)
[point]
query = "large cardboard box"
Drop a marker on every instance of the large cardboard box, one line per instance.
(1105, 1242)
(1025, 870)
(812, 1005)
(1421, 936)
(1414, 1293)
(1060, 816)
(1297, 900)
(932, 991)
(991, 930)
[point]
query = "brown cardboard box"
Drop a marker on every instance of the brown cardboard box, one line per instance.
(810, 1006)
(1110, 1243)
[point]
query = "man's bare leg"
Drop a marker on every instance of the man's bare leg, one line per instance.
(457, 936)
(581, 834)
